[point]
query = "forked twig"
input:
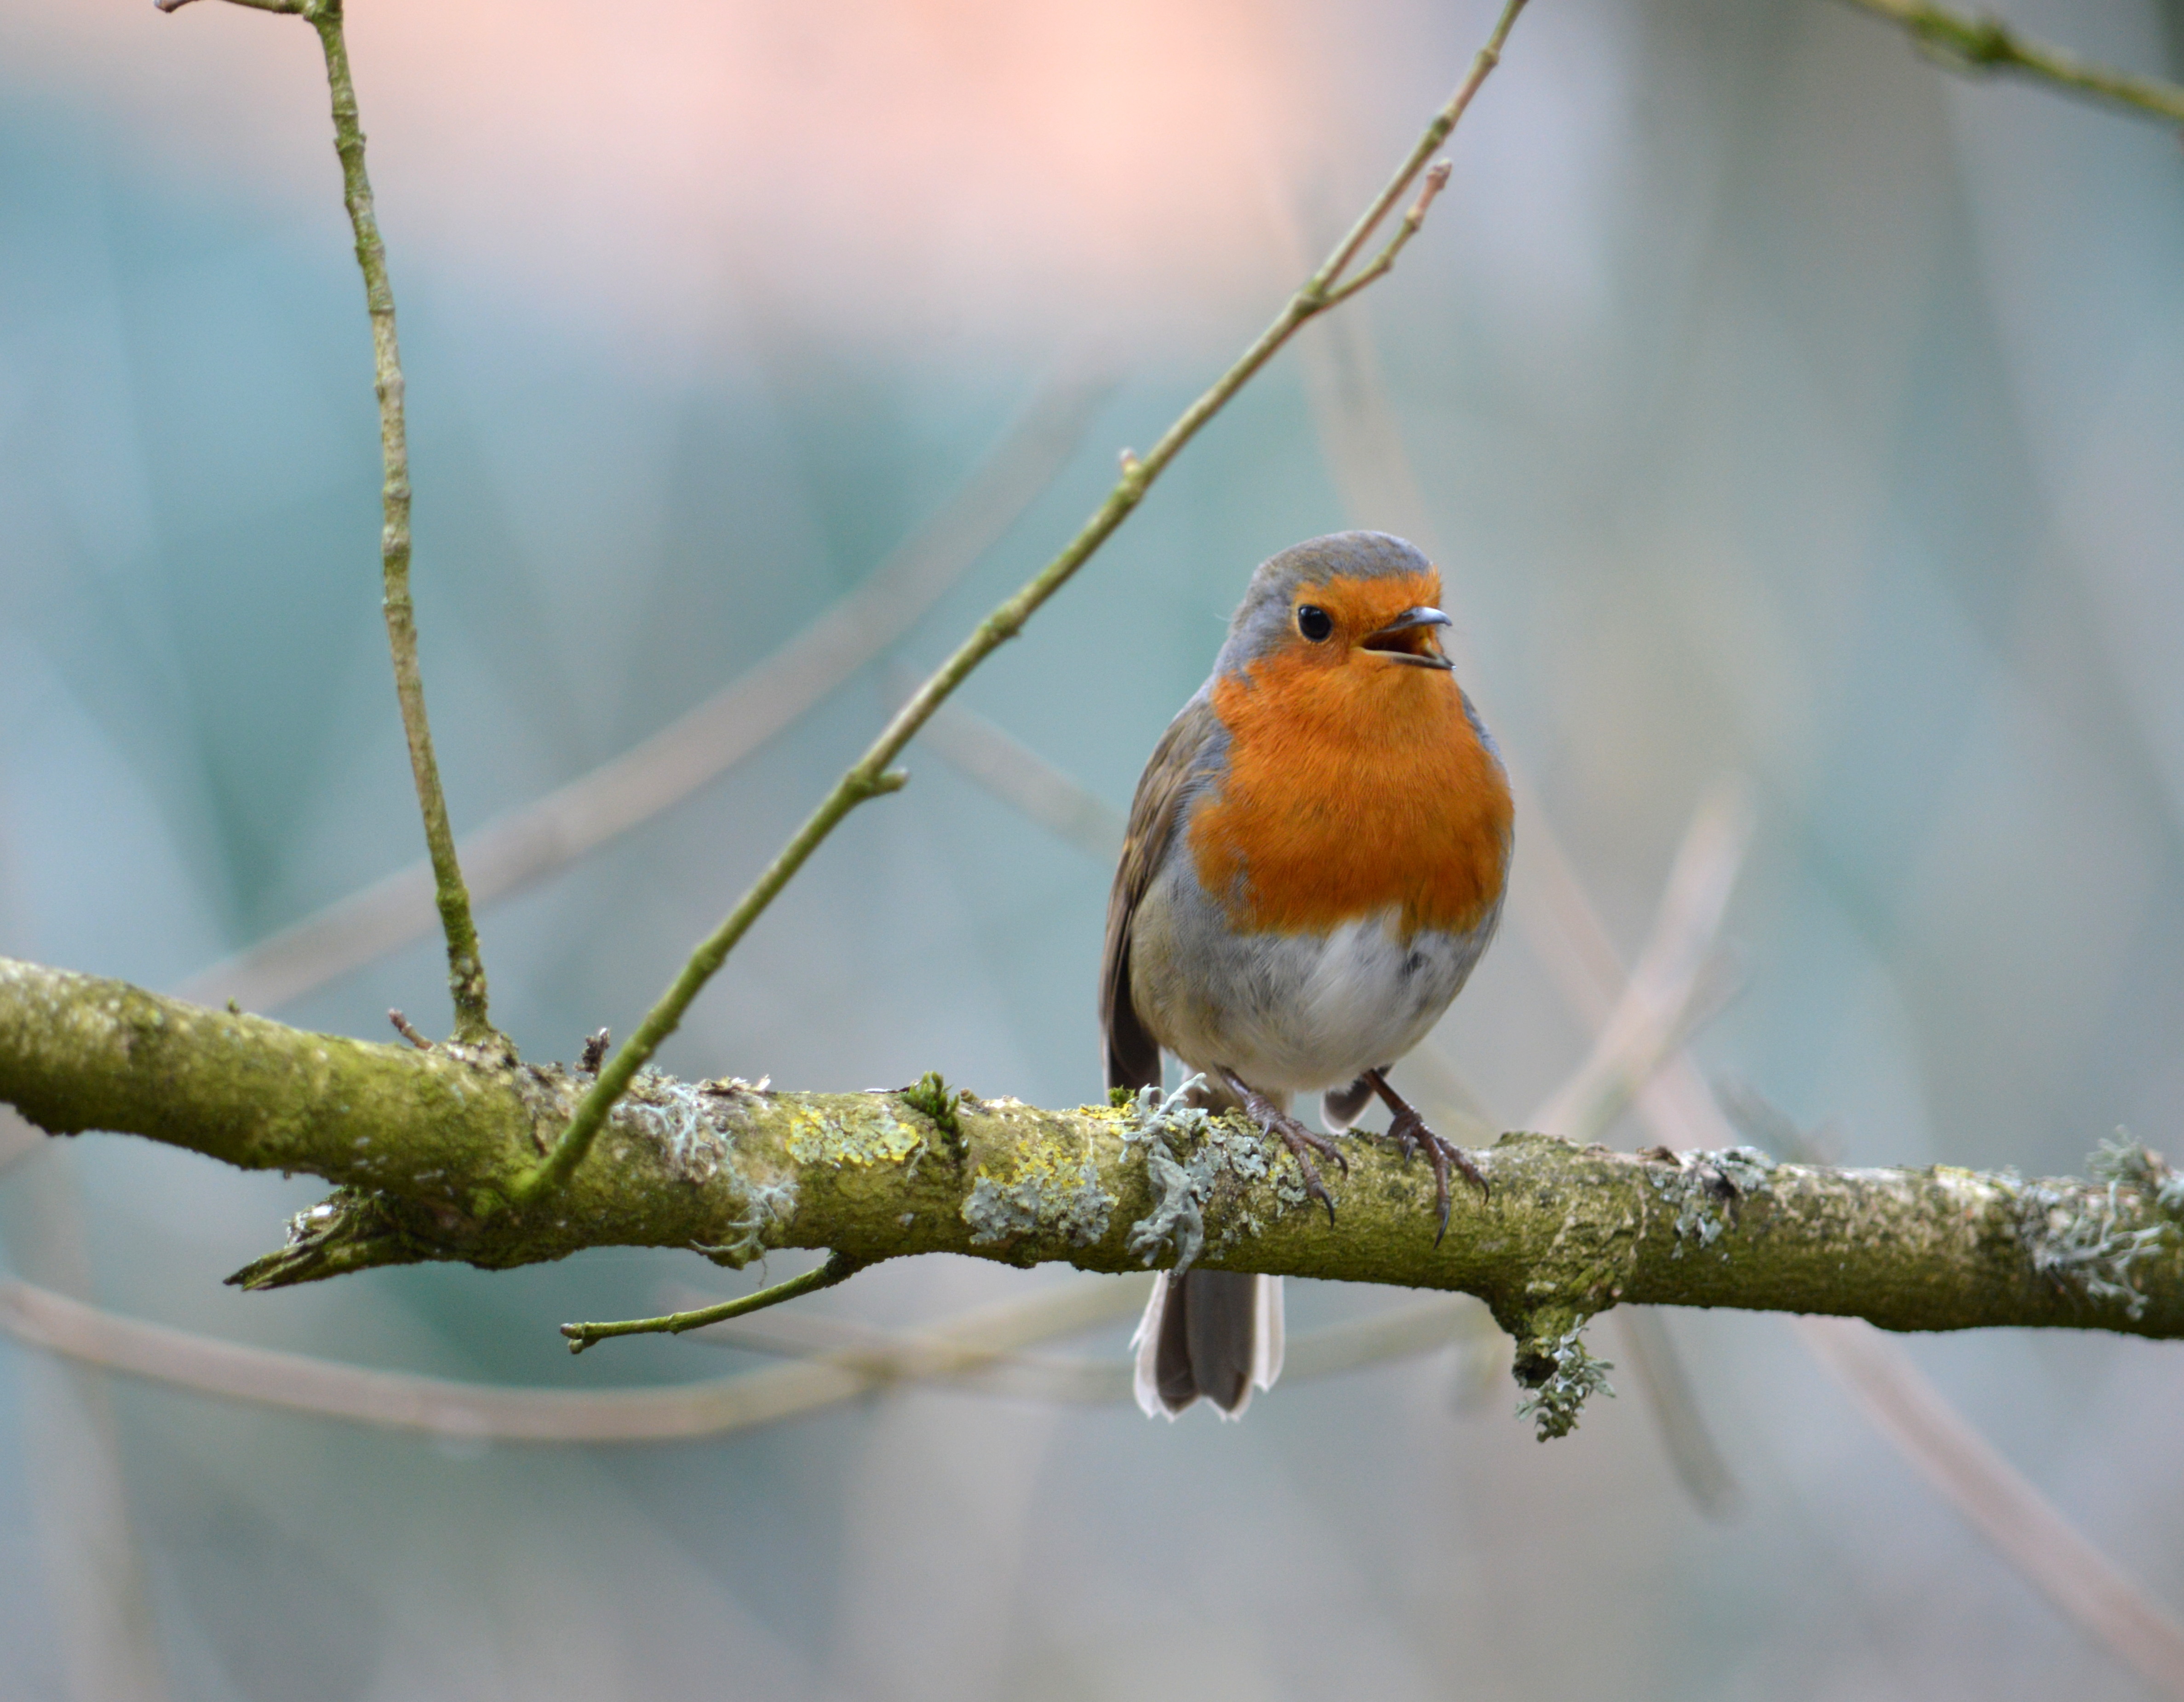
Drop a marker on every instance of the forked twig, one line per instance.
(1385, 261)
(1645, 1028)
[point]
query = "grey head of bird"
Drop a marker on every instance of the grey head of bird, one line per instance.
(1350, 598)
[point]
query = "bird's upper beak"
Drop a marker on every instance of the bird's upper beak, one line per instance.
(1406, 638)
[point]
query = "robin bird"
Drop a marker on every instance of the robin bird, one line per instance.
(1315, 858)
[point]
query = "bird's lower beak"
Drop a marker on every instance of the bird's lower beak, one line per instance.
(1409, 638)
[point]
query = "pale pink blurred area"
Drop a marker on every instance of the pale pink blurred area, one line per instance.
(878, 169)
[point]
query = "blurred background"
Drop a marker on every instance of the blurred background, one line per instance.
(1778, 405)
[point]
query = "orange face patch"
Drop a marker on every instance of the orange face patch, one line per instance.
(1356, 782)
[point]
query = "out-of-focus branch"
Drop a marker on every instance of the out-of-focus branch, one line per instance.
(871, 775)
(660, 770)
(1644, 1029)
(978, 1350)
(1916, 1418)
(2000, 1504)
(1981, 43)
(1020, 777)
(18, 1139)
(979, 1361)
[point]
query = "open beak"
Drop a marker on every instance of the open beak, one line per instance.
(1409, 638)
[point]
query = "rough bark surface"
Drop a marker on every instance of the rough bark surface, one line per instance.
(426, 1147)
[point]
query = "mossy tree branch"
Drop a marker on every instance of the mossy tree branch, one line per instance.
(425, 1148)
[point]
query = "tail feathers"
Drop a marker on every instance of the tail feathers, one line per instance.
(1338, 1107)
(1211, 1335)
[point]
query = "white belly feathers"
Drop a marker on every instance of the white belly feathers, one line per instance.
(1288, 1013)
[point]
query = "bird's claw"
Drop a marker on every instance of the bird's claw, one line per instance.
(1299, 1140)
(1302, 1143)
(1409, 1134)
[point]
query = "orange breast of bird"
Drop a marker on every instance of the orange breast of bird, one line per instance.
(1350, 791)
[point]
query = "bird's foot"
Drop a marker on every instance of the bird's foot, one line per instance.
(1407, 1130)
(1302, 1141)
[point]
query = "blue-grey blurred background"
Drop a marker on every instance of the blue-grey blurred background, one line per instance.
(1778, 403)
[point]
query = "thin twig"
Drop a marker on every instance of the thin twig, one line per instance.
(1385, 261)
(661, 770)
(871, 775)
(1436, 132)
(466, 982)
(839, 1268)
(466, 966)
(1979, 43)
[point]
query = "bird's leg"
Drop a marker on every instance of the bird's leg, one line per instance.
(1408, 1130)
(1299, 1140)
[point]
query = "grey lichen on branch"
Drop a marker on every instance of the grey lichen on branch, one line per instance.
(423, 1147)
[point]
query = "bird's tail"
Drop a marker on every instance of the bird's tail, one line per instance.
(1208, 1335)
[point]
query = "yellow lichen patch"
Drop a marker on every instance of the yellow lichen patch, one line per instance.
(1054, 1192)
(1043, 1163)
(873, 1135)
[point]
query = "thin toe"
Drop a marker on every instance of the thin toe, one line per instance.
(1472, 1173)
(1314, 1188)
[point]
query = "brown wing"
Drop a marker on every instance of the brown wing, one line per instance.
(1132, 1055)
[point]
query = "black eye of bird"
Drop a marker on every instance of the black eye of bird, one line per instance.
(1314, 621)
